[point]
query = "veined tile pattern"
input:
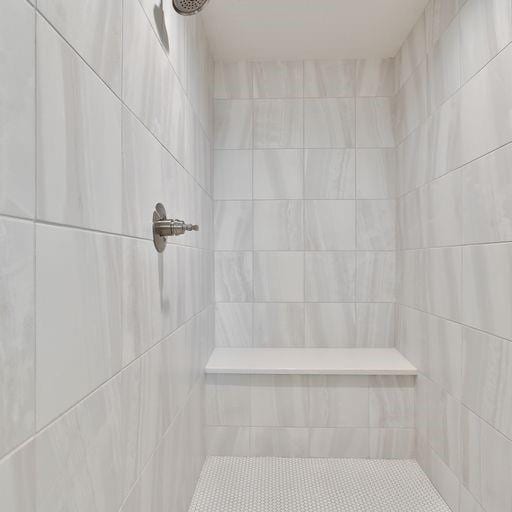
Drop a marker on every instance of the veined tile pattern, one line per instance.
(103, 340)
(305, 211)
(230, 484)
(453, 216)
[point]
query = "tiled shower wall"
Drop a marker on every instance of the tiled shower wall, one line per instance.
(454, 135)
(304, 204)
(105, 109)
(304, 188)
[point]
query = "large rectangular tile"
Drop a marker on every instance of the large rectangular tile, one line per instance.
(392, 401)
(278, 276)
(79, 314)
(278, 325)
(349, 443)
(487, 212)
(330, 225)
(87, 459)
(278, 123)
(278, 173)
(330, 276)
(233, 225)
(232, 174)
(329, 174)
(329, 78)
(100, 46)
(330, 325)
(17, 480)
(17, 316)
(233, 124)
(79, 140)
(277, 79)
(17, 109)
(329, 123)
(278, 225)
(487, 272)
(375, 280)
(376, 224)
(233, 276)
(374, 125)
(232, 79)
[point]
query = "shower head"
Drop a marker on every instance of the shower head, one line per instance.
(188, 7)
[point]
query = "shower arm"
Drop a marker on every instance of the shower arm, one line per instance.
(164, 227)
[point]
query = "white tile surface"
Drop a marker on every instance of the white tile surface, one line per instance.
(79, 163)
(329, 174)
(17, 109)
(17, 316)
(232, 171)
(278, 484)
(329, 123)
(278, 123)
(329, 78)
(277, 79)
(278, 173)
(327, 361)
(233, 124)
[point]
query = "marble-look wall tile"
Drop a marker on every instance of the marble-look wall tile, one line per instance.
(391, 401)
(376, 174)
(329, 123)
(330, 276)
(279, 400)
(376, 225)
(330, 325)
(413, 337)
(444, 480)
(233, 124)
(17, 357)
(392, 443)
(411, 53)
(444, 65)
(329, 78)
(476, 117)
(375, 280)
(487, 190)
(87, 292)
(278, 276)
(233, 80)
(329, 174)
(232, 171)
(339, 442)
(233, 225)
(487, 463)
(278, 173)
(79, 139)
(278, 325)
(487, 378)
(338, 401)
(17, 109)
(468, 502)
(101, 47)
(228, 400)
(17, 480)
(233, 325)
(228, 441)
(278, 225)
(374, 126)
(411, 103)
(330, 225)
(444, 426)
(486, 28)
(375, 77)
(376, 325)
(278, 123)
(487, 272)
(279, 442)
(278, 79)
(233, 276)
(87, 459)
(438, 15)
(151, 89)
(445, 354)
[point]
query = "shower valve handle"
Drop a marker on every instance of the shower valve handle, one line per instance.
(164, 227)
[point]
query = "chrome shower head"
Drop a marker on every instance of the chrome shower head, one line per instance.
(188, 7)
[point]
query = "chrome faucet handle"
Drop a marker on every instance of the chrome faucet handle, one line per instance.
(164, 227)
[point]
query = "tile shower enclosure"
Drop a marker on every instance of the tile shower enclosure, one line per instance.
(354, 203)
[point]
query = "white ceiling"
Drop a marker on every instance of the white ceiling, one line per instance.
(307, 29)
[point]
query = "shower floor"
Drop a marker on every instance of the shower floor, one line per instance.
(266, 484)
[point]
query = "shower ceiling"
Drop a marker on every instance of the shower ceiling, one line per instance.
(298, 29)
